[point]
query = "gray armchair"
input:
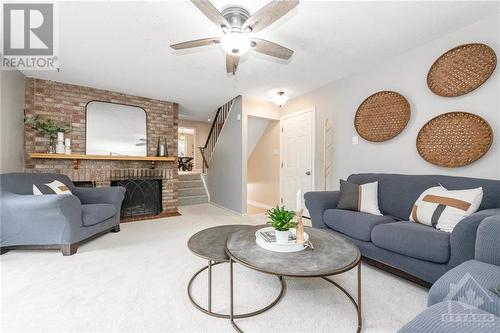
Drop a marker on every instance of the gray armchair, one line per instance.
(54, 221)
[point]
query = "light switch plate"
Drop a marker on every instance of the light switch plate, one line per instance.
(238, 117)
(355, 140)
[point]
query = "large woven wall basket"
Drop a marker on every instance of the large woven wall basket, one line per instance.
(461, 70)
(382, 116)
(454, 139)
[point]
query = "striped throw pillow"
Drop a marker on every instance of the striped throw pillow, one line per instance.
(56, 187)
(361, 198)
(443, 209)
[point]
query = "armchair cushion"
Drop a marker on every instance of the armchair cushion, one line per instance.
(413, 240)
(472, 282)
(96, 213)
(98, 195)
(354, 224)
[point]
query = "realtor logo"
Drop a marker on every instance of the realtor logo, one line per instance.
(29, 32)
(470, 295)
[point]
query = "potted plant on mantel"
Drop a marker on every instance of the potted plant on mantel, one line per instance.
(282, 221)
(50, 128)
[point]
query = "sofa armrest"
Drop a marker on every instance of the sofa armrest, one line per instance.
(39, 219)
(318, 202)
(97, 195)
(463, 236)
(488, 241)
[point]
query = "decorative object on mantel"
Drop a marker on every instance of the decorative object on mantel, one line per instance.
(60, 143)
(67, 146)
(382, 116)
(454, 139)
(461, 70)
(162, 150)
(51, 129)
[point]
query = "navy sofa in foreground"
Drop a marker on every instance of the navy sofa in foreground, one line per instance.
(54, 221)
(467, 298)
(412, 250)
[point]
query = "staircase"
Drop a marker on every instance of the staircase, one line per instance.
(213, 135)
(191, 189)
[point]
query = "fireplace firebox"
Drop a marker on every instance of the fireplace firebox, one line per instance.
(142, 197)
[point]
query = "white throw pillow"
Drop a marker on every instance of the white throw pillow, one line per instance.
(368, 198)
(443, 209)
(56, 187)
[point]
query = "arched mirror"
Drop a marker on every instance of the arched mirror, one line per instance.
(115, 129)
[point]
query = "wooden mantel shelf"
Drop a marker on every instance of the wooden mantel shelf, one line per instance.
(77, 157)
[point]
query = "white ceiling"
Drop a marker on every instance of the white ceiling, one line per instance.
(124, 46)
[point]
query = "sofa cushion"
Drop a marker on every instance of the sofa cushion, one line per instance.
(96, 213)
(354, 224)
(413, 240)
(471, 278)
(452, 317)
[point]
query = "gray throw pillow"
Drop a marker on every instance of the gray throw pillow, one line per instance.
(349, 193)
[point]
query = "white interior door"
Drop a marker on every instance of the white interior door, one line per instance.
(297, 157)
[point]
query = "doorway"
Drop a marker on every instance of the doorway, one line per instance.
(297, 148)
(186, 146)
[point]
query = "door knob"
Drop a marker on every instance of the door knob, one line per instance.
(308, 173)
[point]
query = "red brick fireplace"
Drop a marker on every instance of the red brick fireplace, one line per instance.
(66, 103)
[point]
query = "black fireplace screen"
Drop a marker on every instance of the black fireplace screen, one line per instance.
(142, 196)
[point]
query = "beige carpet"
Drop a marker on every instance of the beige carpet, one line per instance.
(135, 281)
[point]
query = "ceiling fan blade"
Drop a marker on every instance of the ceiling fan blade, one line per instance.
(211, 12)
(271, 49)
(196, 43)
(269, 14)
(232, 63)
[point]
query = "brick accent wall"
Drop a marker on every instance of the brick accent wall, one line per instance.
(66, 103)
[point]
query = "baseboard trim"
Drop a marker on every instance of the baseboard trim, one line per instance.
(258, 204)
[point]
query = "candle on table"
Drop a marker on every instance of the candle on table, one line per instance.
(299, 200)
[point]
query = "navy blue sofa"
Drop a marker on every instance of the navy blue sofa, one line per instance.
(415, 251)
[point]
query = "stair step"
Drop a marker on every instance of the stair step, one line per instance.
(190, 184)
(194, 200)
(189, 192)
(189, 176)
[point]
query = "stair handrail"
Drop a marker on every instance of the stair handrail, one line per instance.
(203, 149)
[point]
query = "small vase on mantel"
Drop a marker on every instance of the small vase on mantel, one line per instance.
(51, 148)
(162, 147)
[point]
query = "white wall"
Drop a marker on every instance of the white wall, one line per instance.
(226, 176)
(405, 74)
(12, 122)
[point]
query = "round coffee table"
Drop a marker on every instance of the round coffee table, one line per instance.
(332, 255)
(210, 244)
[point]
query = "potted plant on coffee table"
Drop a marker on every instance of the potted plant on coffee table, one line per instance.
(282, 221)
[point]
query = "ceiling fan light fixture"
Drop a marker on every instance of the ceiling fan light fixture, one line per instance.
(280, 98)
(236, 43)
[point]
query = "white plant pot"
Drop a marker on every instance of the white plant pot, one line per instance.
(282, 236)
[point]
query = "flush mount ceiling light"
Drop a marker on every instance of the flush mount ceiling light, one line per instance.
(280, 98)
(238, 26)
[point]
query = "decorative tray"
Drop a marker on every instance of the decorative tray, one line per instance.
(292, 246)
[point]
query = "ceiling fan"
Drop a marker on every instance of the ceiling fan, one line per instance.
(238, 26)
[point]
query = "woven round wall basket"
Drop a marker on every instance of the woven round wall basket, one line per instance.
(454, 139)
(382, 116)
(461, 70)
